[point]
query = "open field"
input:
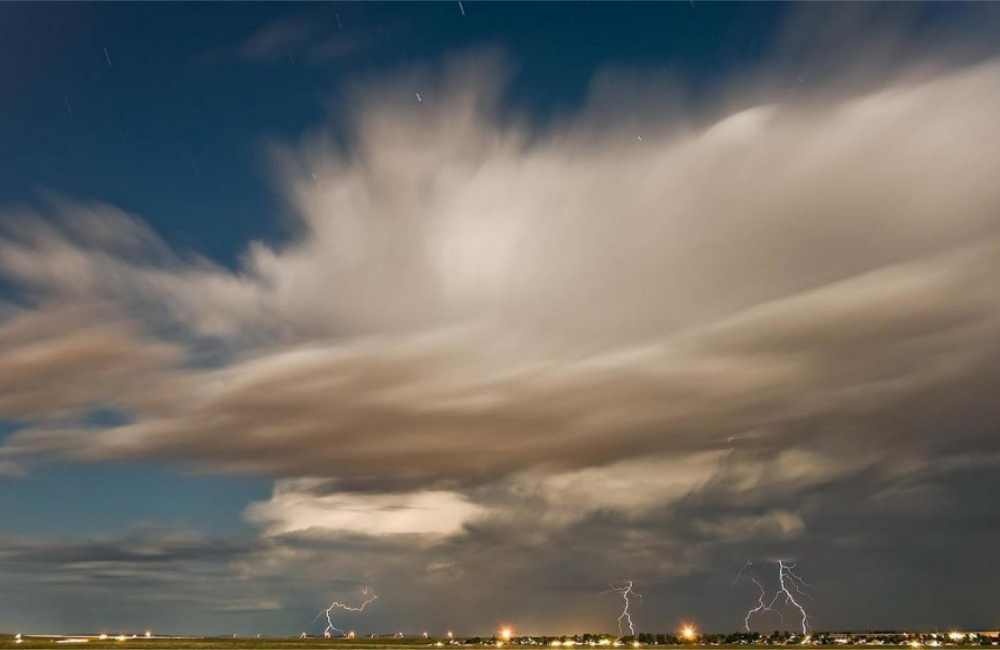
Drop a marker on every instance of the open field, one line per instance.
(217, 643)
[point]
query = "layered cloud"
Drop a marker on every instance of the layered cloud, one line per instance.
(296, 506)
(564, 299)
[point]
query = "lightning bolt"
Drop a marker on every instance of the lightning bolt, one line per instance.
(625, 590)
(739, 574)
(789, 581)
(330, 627)
(761, 595)
(761, 607)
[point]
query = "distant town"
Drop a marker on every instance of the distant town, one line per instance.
(686, 637)
(777, 638)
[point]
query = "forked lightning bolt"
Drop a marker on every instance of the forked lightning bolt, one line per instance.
(761, 595)
(369, 598)
(761, 607)
(626, 616)
(789, 581)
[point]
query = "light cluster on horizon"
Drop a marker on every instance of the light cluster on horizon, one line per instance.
(951, 639)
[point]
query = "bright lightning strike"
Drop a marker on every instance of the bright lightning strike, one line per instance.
(330, 627)
(761, 607)
(761, 595)
(789, 581)
(626, 616)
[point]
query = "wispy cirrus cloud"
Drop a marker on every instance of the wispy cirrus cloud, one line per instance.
(278, 38)
(310, 38)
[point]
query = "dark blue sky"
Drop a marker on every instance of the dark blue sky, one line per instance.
(169, 112)
(174, 128)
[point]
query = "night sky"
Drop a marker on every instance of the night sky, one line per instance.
(492, 306)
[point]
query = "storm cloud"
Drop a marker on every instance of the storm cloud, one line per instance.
(653, 341)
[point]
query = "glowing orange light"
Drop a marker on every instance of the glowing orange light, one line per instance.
(506, 633)
(689, 632)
